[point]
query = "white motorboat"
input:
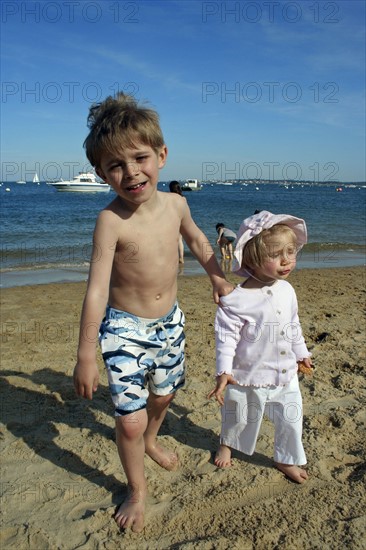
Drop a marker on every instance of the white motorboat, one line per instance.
(85, 182)
(191, 185)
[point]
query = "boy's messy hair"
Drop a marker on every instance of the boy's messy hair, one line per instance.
(256, 251)
(119, 122)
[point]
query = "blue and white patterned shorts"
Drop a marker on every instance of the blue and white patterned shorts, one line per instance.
(138, 352)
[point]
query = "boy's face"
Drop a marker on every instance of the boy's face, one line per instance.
(133, 173)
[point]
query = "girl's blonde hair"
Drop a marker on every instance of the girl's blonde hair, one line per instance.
(119, 122)
(256, 251)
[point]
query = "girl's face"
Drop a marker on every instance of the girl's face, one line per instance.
(281, 259)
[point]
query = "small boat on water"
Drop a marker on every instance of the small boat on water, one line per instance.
(36, 178)
(85, 182)
(21, 182)
(191, 185)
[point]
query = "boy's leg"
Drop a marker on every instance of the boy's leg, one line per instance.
(157, 406)
(131, 449)
(165, 379)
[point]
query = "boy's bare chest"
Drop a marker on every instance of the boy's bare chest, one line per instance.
(149, 238)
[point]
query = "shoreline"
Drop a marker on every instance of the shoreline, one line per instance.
(14, 277)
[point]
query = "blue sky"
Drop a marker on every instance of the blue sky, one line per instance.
(244, 89)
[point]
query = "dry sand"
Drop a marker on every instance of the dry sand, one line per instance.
(61, 477)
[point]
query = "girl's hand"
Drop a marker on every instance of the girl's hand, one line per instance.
(305, 366)
(221, 382)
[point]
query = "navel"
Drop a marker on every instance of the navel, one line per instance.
(157, 297)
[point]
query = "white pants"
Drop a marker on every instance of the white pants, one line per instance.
(242, 415)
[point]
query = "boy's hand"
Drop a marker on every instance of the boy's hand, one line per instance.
(86, 379)
(221, 382)
(221, 288)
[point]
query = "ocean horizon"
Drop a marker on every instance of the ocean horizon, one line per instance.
(46, 235)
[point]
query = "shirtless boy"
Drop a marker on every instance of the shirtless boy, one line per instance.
(132, 287)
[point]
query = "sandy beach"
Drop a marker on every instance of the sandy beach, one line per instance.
(61, 478)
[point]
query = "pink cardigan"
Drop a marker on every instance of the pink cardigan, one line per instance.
(258, 335)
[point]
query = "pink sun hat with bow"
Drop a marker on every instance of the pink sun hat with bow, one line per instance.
(255, 224)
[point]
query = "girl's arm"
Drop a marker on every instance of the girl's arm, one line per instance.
(221, 382)
(298, 342)
(227, 334)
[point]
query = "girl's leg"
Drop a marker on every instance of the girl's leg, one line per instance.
(223, 457)
(285, 411)
(293, 471)
(241, 417)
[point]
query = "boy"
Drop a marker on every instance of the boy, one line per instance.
(133, 269)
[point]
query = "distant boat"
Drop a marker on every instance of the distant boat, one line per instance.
(21, 182)
(36, 178)
(191, 185)
(85, 182)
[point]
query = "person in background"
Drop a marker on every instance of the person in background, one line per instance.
(225, 240)
(174, 187)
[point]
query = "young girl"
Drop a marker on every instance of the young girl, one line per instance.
(225, 240)
(259, 343)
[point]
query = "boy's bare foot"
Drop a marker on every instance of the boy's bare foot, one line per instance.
(131, 512)
(223, 457)
(165, 458)
(293, 472)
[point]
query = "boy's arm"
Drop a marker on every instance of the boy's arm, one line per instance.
(86, 376)
(203, 251)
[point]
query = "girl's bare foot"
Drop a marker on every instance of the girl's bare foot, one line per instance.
(131, 512)
(165, 458)
(293, 472)
(223, 457)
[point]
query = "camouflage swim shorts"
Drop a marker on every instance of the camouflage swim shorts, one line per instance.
(142, 355)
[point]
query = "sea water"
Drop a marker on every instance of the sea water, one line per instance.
(46, 235)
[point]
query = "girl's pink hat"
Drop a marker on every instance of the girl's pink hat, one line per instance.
(255, 224)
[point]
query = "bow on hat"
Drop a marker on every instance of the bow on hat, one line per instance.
(255, 224)
(258, 223)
